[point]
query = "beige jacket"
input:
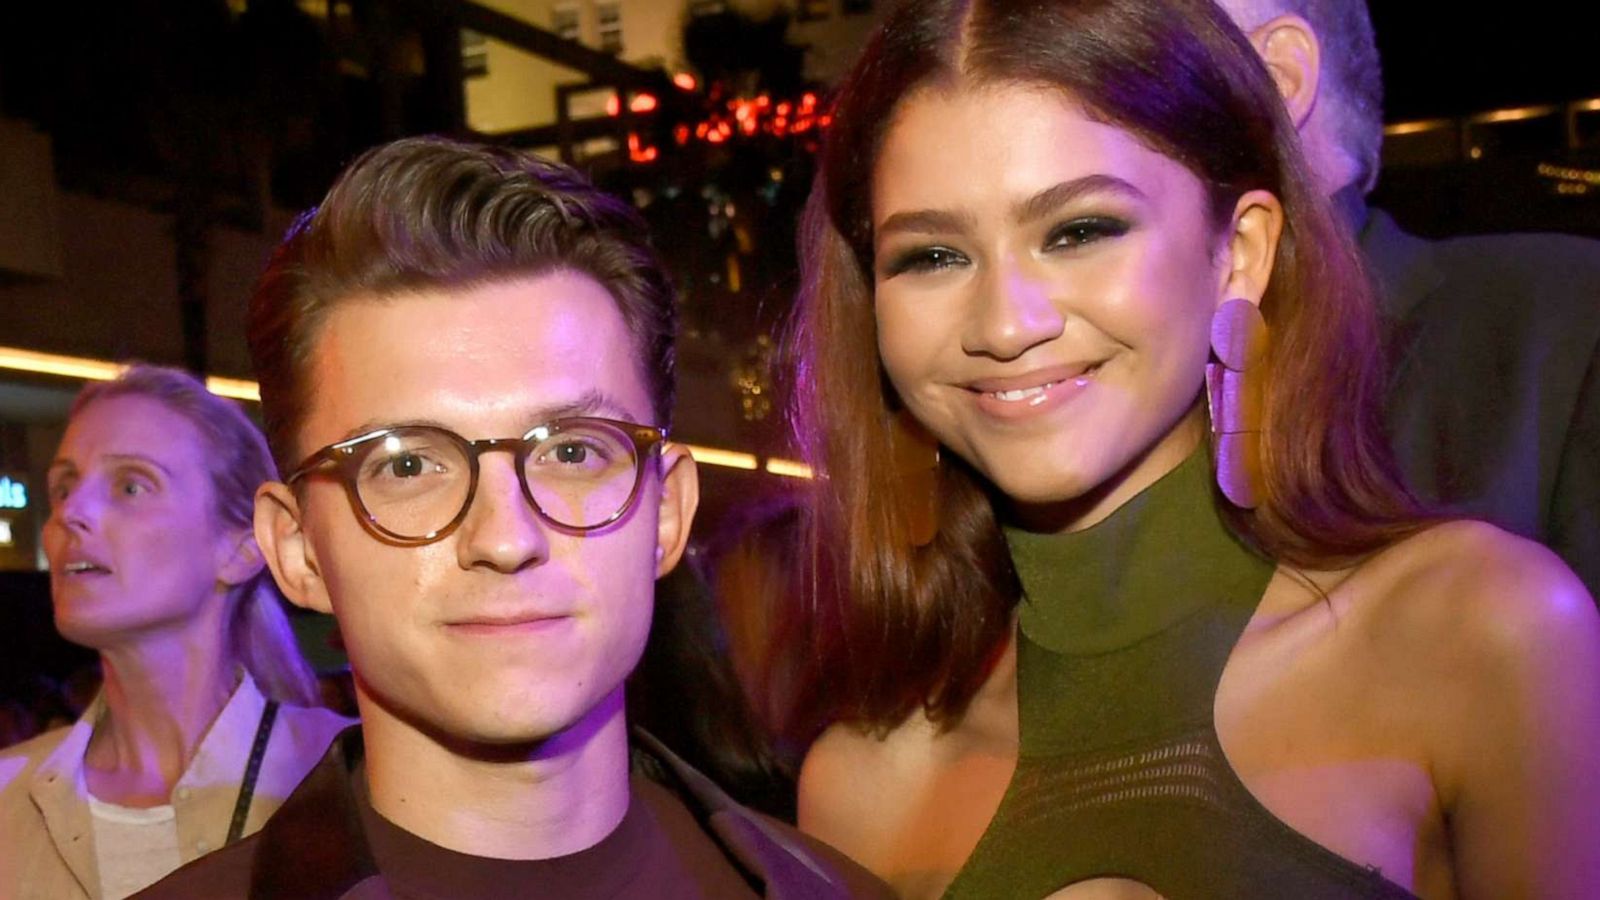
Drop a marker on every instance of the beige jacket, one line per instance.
(46, 834)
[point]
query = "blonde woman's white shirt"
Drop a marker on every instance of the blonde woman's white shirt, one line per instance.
(47, 831)
(134, 847)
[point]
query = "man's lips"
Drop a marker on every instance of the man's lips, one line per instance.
(507, 623)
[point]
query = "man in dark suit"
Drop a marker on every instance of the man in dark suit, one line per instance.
(466, 369)
(1494, 340)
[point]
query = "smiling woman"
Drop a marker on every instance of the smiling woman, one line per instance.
(206, 720)
(1175, 626)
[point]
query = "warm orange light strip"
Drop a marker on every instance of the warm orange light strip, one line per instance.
(51, 364)
(725, 458)
(788, 468)
(1401, 128)
(237, 388)
(20, 360)
(1513, 115)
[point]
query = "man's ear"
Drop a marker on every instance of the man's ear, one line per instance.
(1252, 247)
(1289, 46)
(239, 559)
(288, 554)
(680, 497)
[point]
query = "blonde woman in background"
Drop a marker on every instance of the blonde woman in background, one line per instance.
(208, 715)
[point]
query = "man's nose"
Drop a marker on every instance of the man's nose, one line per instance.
(501, 531)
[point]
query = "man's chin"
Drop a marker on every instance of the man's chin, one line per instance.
(526, 732)
(516, 725)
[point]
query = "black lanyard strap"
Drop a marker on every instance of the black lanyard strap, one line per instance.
(252, 771)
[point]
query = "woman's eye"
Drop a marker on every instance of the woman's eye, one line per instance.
(925, 259)
(1087, 230)
(132, 487)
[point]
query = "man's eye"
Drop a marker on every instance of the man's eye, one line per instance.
(129, 487)
(577, 454)
(406, 465)
(401, 465)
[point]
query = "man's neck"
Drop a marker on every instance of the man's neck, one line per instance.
(1350, 204)
(554, 798)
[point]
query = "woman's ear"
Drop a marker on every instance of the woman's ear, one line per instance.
(288, 554)
(239, 558)
(1251, 247)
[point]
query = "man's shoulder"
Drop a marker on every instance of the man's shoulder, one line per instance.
(1540, 271)
(1542, 258)
(836, 874)
(789, 863)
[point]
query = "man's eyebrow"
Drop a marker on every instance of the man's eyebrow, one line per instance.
(589, 403)
(1056, 196)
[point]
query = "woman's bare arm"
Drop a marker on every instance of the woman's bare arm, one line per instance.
(1518, 767)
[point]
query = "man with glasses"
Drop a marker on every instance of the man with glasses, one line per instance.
(465, 359)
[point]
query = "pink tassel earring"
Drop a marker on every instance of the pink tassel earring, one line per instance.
(1236, 395)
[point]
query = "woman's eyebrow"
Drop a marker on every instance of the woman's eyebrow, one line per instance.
(927, 221)
(1056, 196)
(1041, 204)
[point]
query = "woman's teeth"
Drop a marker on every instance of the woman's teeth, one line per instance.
(1023, 393)
(1036, 394)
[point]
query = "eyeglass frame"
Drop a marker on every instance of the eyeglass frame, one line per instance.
(340, 459)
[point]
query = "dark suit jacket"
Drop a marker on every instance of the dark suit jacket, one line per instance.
(315, 848)
(1494, 399)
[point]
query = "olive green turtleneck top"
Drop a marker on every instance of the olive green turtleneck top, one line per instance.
(1124, 632)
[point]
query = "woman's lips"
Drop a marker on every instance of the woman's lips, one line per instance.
(80, 566)
(1031, 394)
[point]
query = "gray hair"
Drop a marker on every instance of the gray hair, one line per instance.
(1350, 67)
(237, 461)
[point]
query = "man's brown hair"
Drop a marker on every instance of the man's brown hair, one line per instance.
(427, 213)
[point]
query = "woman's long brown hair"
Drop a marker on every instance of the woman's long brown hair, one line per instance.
(898, 628)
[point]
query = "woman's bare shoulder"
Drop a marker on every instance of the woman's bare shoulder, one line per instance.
(1483, 630)
(851, 776)
(1476, 583)
(1498, 645)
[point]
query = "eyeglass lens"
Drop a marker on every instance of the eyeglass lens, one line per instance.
(414, 481)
